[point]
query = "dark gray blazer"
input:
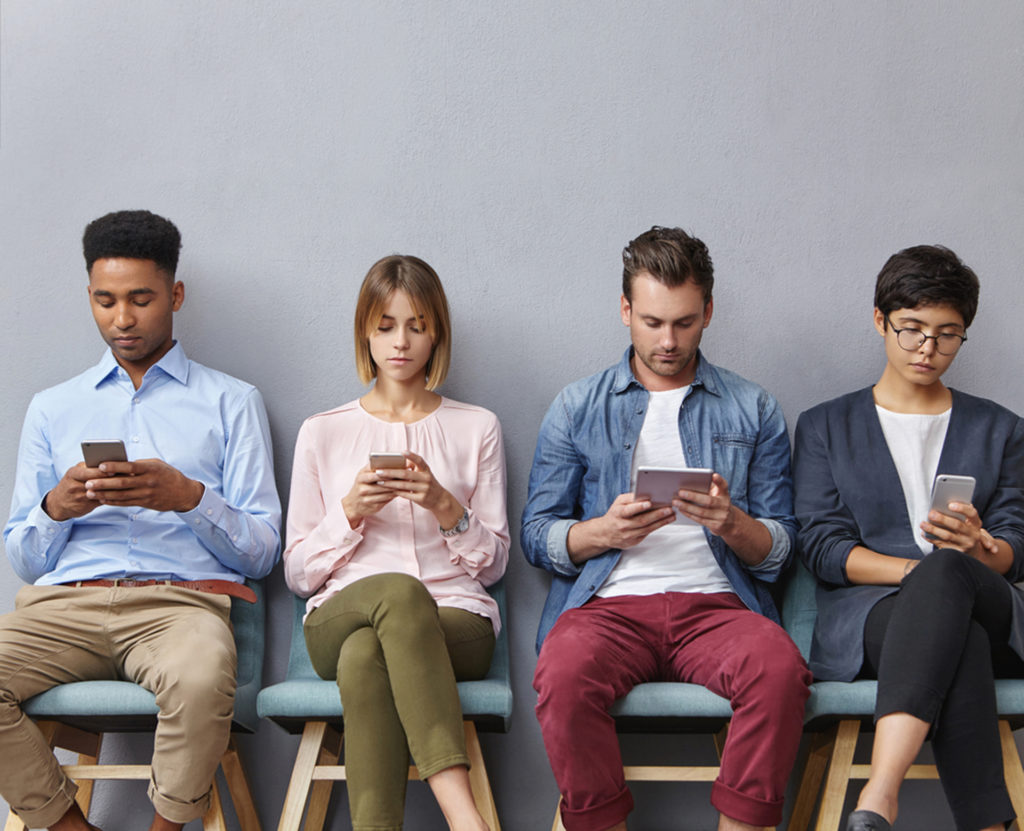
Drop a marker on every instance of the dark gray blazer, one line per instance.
(848, 493)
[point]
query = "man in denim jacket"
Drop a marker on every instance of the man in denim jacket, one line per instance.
(646, 592)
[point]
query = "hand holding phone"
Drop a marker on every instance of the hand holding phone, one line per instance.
(949, 488)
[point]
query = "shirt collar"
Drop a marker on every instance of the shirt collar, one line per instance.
(174, 364)
(705, 376)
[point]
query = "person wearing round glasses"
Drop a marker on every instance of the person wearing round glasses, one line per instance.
(918, 597)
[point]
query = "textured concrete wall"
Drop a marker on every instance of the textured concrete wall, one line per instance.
(516, 148)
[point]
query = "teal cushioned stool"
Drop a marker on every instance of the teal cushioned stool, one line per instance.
(305, 703)
(75, 716)
(837, 711)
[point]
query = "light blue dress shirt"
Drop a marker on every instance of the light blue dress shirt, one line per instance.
(582, 463)
(210, 426)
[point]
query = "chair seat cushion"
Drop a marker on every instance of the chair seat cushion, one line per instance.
(487, 702)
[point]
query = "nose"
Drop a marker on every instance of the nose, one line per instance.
(401, 338)
(929, 345)
(667, 340)
(124, 317)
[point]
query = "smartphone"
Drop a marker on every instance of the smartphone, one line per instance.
(659, 484)
(949, 488)
(107, 450)
(381, 461)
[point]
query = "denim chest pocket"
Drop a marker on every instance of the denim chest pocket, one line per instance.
(731, 456)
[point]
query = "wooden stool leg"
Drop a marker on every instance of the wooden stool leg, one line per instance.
(238, 787)
(478, 781)
(320, 796)
(831, 812)
(302, 776)
(213, 819)
(1012, 769)
(557, 825)
(810, 782)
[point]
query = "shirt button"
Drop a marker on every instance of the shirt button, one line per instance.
(135, 401)
(135, 540)
(196, 520)
(209, 511)
(135, 439)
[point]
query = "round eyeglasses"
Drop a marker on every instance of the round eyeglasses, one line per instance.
(946, 343)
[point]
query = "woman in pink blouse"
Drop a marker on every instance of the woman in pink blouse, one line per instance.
(394, 561)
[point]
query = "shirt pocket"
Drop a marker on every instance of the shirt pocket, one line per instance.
(731, 456)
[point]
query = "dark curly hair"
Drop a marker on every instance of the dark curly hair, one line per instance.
(136, 235)
(927, 275)
(670, 256)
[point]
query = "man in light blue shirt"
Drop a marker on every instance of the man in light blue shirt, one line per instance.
(642, 591)
(133, 563)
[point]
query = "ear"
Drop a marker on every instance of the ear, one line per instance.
(177, 295)
(879, 321)
(625, 310)
(709, 309)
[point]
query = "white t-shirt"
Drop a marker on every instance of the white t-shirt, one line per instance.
(915, 443)
(677, 557)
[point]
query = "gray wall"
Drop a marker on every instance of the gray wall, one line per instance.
(516, 148)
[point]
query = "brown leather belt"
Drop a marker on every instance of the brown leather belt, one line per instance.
(239, 590)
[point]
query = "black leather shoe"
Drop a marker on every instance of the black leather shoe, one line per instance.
(867, 821)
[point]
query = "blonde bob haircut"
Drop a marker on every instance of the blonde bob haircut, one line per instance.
(401, 272)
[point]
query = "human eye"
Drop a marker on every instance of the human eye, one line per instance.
(948, 338)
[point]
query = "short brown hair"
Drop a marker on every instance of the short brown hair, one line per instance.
(671, 256)
(401, 272)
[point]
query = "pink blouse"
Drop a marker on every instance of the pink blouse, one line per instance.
(462, 445)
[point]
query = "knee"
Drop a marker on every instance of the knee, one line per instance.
(568, 677)
(361, 668)
(775, 669)
(404, 599)
(941, 567)
(202, 678)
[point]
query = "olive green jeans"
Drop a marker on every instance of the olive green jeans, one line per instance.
(396, 657)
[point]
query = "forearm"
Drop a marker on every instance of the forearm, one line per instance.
(748, 538)
(1001, 561)
(587, 539)
(867, 567)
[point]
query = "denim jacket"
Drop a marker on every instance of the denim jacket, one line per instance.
(582, 463)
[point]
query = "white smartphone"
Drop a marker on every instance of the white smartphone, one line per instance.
(949, 488)
(382, 461)
(105, 450)
(659, 484)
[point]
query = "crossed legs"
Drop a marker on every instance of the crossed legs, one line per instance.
(396, 657)
(932, 647)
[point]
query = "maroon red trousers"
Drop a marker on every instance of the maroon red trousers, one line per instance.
(597, 653)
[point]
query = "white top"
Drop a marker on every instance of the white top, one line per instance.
(915, 443)
(676, 558)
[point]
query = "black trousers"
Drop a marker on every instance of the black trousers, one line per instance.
(936, 647)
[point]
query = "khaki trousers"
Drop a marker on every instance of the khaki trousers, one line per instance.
(175, 642)
(396, 657)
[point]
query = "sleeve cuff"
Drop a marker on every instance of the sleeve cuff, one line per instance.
(778, 555)
(558, 549)
(210, 509)
(49, 528)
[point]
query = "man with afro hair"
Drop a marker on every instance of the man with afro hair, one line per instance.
(132, 558)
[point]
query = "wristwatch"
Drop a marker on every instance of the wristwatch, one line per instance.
(460, 526)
